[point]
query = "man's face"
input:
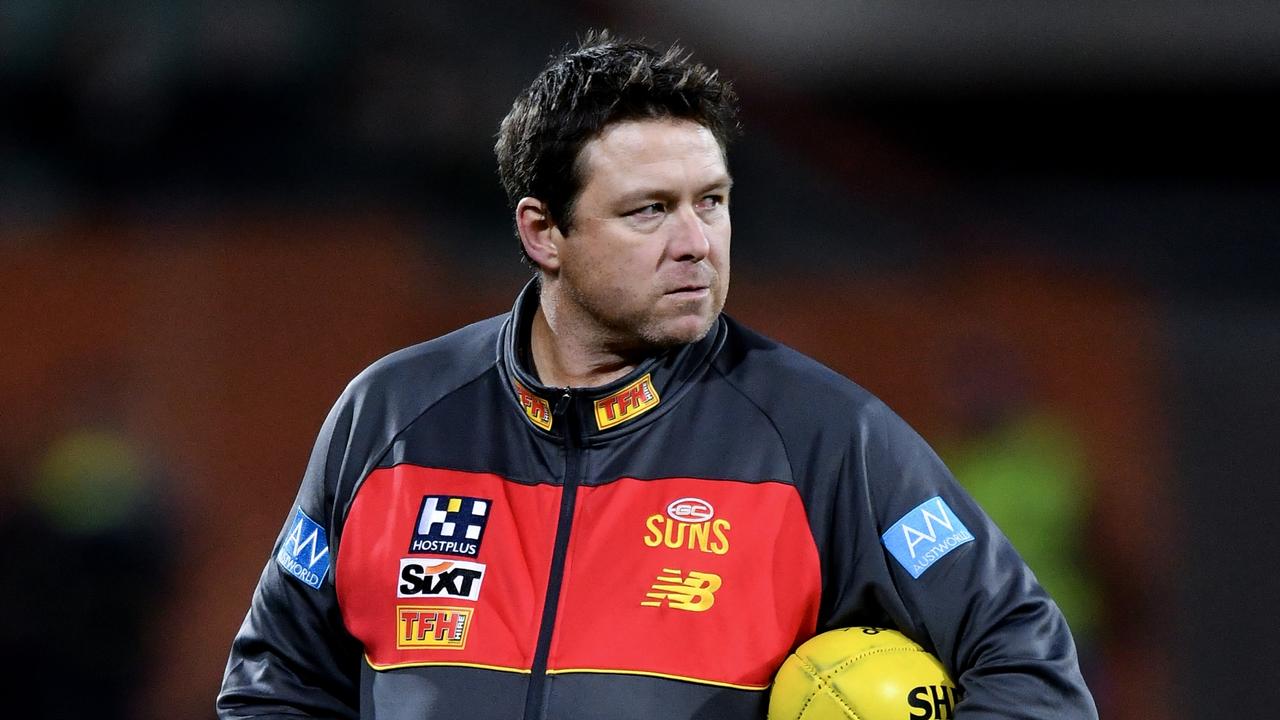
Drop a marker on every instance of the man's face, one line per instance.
(647, 260)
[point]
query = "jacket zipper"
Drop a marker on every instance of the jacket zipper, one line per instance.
(533, 705)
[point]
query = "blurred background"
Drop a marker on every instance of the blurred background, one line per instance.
(1048, 234)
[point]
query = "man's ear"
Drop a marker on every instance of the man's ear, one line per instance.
(538, 233)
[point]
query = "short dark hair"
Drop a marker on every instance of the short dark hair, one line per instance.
(580, 92)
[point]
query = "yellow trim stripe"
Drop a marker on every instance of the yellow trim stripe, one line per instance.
(567, 671)
(665, 676)
(397, 666)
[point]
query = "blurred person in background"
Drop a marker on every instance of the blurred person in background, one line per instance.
(88, 554)
(1026, 466)
(1026, 458)
(615, 501)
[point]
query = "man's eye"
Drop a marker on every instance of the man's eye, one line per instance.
(710, 202)
(651, 210)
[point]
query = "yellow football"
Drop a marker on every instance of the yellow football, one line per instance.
(862, 673)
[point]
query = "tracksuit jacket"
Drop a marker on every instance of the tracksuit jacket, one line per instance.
(468, 543)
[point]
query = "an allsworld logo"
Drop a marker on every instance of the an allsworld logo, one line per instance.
(695, 592)
(305, 551)
(923, 536)
(628, 403)
(538, 409)
(432, 627)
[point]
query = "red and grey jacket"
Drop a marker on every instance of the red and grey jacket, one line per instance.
(467, 542)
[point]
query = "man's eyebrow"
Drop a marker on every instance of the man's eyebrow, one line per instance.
(724, 182)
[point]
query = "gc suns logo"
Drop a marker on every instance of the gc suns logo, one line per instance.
(688, 523)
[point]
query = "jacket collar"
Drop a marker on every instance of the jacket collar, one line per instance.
(630, 402)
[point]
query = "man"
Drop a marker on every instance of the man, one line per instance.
(615, 502)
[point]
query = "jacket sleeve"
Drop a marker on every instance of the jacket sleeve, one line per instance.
(293, 656)
(929, 559)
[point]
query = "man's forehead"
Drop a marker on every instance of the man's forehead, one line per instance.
(628, 149)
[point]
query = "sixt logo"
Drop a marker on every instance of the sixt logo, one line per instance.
(630, 402)
(537, 409)
(934, 702)
(432, 627)
(688, 524)
(695, 592)
(450, 525)
(435, 577)
(925, 535)
(304, 553)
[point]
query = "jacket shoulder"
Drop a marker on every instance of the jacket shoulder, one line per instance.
(412, 378)
(783, 381)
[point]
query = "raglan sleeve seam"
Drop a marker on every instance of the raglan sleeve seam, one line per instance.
(782, 441)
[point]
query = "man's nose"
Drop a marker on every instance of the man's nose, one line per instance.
(689, 241)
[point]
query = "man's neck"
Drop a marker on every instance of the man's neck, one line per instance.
(566, 356)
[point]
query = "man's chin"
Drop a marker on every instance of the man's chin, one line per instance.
(682, 331)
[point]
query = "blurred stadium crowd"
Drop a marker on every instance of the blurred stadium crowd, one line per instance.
(1048, 237)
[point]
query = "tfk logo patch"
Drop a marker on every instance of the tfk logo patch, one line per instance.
(924, 535)
(450, 525)
(444, 628)
(437, 577)
(537, 409)
(304, 553)
(695, 592)
(630, 402)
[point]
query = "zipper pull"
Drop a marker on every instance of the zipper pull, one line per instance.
(563, 403)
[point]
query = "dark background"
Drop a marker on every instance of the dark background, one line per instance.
(213, 214)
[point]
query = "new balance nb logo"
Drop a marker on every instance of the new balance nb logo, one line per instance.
(694, 592)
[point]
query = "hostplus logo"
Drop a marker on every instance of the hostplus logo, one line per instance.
(450, 525)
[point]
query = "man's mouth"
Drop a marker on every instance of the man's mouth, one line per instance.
(686, 292)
